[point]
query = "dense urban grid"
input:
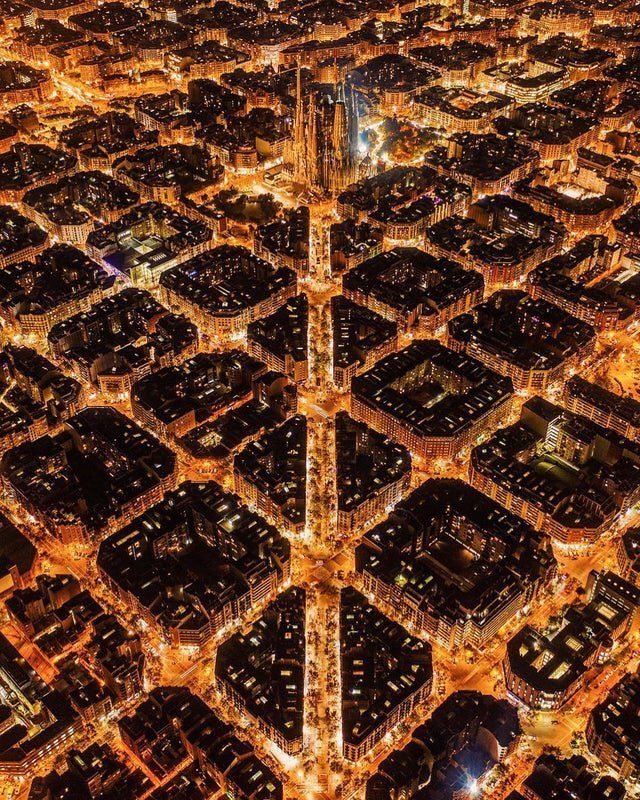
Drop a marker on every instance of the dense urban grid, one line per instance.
(319, 399)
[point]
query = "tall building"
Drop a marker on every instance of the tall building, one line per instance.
(325, 137)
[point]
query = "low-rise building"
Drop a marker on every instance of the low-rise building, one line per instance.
(404, 201)
(582, 201)
(467, 735)
(434, 401)
(414, 289)
(270, 473)
(57, 283)
(569, 282)
(153, 41)
(261, 672)
(385, 673)
(177, 398)
(164, 173)
(372, 474)
(20, 238)
(148, 240)
(37, 397)
(183, 725)
(544, 671)
(392, 80)
(226, 288)
(553, 131)
(552, 776)
(502, 238)
(351, 243)
(458, 62)
(564, 51)
(21, 83)
(281, 339)
(627, 229)
(548, 19)
(221, 559)
(26, 166)
(97, 474)
(454, 564)
(98, 142)
(460, 109)
(24, 747)
(285, 241)
(561, 472)
(70, 207)
(360, 338)
(620, 413)
(531, 341)
(628, 556)
(120, 340)
(613, 729)
(213, 443)
(486, 162)
(18, 557)
(523, 80)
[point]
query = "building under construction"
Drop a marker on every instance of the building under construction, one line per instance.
(325, 140)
